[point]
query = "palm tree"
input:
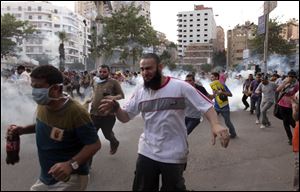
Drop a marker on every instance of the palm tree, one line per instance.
(62, 35)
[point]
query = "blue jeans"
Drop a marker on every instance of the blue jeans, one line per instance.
(255, 105)
(191, 123)
(226, 116)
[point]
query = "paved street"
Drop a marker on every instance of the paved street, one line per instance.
(256, 160)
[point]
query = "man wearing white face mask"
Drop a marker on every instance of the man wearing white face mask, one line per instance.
(65, 135)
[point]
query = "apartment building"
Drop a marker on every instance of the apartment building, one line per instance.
(237, 42)
(49, 19)
(197, 26)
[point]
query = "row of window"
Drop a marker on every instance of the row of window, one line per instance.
(191, 20)
(198, 25)
(191, 30)
(205, 35)
(39, 8)
(191, 15)
(191, 41)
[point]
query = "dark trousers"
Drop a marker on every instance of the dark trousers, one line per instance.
(244, 100)
(106, 123)
(288, 120)
(191, 123)
(147, 175)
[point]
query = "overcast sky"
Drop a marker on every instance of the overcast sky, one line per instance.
(230, 13)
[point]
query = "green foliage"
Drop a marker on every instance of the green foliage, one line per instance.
(219, 58)
(189, 68)
(276, 44)
(128, 32)
(206, 67)
(13, 28)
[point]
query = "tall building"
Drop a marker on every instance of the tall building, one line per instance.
(49, 19)
(88, 9)
(220, 41)
(196, 26)
(198, 29)
(145, 7)
(290, 30)
(238, 43)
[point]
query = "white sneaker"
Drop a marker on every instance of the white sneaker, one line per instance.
(262, 126)
(257, 121)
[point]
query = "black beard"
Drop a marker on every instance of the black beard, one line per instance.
(103, 78)
(155, 82)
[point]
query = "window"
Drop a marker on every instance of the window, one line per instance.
(198, 35)
(184, 15)
(205, 24)
(198, 40)
(198, 25)
(184, 20)
(30, 17)
(191, 30)
(205, 29)
(191, 20)
(191, 25)
(191, 35)
(205, 35)
(205, 13)
(29, 8)
(39, 8)
(184, 36)
(205, 19)
(205, 40)
(198, 29)
(184, 25)
(191, 15)
(20, 8)
(8, 8)
(39, 17)
(191, 41)
(184, 30)
(56, 25)
(184, 41)
(198, 19)
(198, 14)
(55, 10)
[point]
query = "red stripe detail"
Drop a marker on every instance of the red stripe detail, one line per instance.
(166, 82)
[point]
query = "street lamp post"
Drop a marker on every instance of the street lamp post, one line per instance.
(84, 46)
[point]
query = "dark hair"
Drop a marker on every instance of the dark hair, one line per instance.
(105, 66)
(152, 56)
(258, 74)
(215, 74)
(292, 73)
(48, 72)
(190, 75)
(21, 67)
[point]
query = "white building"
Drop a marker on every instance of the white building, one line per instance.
(196, 26)
(49, 19)
(145, 7)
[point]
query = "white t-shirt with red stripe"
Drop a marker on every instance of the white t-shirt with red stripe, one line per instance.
(165, 138)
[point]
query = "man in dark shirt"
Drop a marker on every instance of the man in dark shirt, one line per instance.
(193, 117)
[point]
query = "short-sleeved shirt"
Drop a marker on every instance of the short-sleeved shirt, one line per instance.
(226, 107)
(100, 90)
(268, 91)
(75, 128)
(165, 138)
(193, 112)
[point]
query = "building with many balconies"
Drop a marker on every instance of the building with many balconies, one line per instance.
(49, 20)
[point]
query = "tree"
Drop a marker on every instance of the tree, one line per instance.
(128, 32)
(62, 35)
(219, 59)
(13, 30)
(206, 67)
(276, 44)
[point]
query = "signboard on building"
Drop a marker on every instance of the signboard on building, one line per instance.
(261, 25)
(269, 6)
(246, 53)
